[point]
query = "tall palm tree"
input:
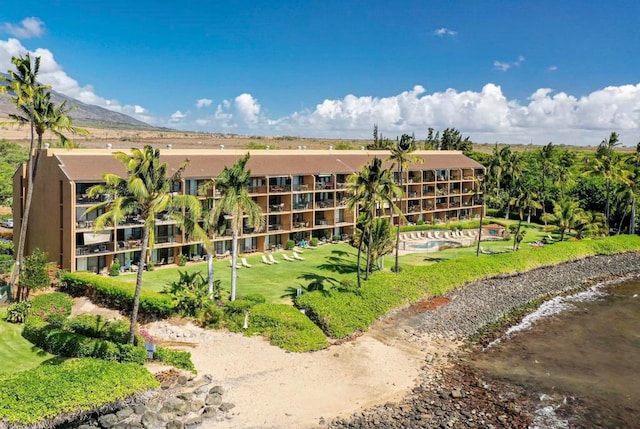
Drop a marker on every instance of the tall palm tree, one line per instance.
(23, 83)
(566, 215)
(401, 156)
(548, 169)
(146, 192)
(236, 203)
(370, 188)
(524, 201)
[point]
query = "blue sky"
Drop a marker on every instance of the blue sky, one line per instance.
(506, 71)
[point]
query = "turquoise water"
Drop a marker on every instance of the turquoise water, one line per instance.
(582, 361)
(434, 244)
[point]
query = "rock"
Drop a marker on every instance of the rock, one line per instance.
(176, 406)
(124, 413)
(175, 424)
(186, 396)
(226, 406)
(217, 389)
(209, 412)
(182, 380)
(213, 399)
(196, 404)
(108, 420)
(456, 394)
(140, 409)
(152, 421)
(193, 423)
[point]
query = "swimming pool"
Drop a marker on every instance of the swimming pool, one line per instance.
(433, 245)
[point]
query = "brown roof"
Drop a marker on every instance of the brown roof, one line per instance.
(89, 165)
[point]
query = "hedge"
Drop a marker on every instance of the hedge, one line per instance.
(53, 391)
(59, 341)
(341, 312)
(116, 294)
(53, 307)
(176, 358)
(285, 326)
(96, 326)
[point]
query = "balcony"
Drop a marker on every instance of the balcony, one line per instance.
(301, 206)
(280, 188)
(324, 204)
(300, 188)
(276, 207)
(320, 186)
(94, 249)
(258, 189)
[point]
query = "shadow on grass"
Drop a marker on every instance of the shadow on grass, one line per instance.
(340, 262)
(434, 259)
(57, 360)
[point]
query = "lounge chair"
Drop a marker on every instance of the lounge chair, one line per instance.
(446, 235)
(287, 258)
(237, 264)
(550, 238)
(265, 260)
(244, 263)
(272, 259)
(436, 235)
(298, 257)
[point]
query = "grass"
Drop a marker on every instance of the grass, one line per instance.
(16, 353)
(328, 264)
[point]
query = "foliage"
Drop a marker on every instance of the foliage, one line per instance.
(341, 312)
(18, 311)
(313, 242)
(285, 326)
(11, 156)
(116, 294)
(72, 386)
(181, 260)
(290, 244)
(59, 341)
(96, 326)
(52, 307)
(34, 274)
(179, 359)
(115, 268)
(190, 296)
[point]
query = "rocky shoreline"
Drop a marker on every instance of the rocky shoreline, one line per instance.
(450, 393)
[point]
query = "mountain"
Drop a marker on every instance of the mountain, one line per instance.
(84, 115)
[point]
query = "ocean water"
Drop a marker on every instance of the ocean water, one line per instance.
(580, 356)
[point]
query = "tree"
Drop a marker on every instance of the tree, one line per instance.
(146, 192)
(370, 188)
(379, 240)
(12, 155)
(34, 274)
(566, 215)
(524, 200)
(401, 156)
(236, 203)
(548, 170)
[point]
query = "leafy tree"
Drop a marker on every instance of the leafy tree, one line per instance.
(146, 191)
(566, 215)
(401, 156)
(34, 274)
(235, 202)
(589, 224)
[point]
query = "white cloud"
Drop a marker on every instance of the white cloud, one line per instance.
(177, 117)
(28, 27)
(445, 32)
(248, 108)
(552, 68)
(203, 102)
(503, 66)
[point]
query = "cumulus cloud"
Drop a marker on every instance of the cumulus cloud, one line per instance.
(248, 108)
(203, 102)
(28, 28)
(177, 117)
(445, 32)
(503, 66)
(52, 73)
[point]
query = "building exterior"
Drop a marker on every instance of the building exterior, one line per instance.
(302, 194)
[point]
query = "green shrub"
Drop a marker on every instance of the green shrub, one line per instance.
(116, 294)
(52, 307)
(314, 241)
(180, 260)
(59, 341)
(43, 393)
(18, 311)
(96, 327)
(343, 311)
(291, 244)
(286, 327)
(177, 358)
(256, 298)
(115, 268)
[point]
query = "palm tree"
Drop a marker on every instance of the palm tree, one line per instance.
(379, 240)
(401, 156)
(524, 201)
(548, 170)
(146, 192)
(566, 215)
(370, 188)
(23, 83)
(236, 203)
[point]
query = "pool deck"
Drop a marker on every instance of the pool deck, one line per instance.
(417, 242)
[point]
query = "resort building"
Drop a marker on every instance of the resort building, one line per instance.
(302, 194)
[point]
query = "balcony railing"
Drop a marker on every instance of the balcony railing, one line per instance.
(279, 188)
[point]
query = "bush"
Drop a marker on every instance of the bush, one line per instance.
(116, 294)
(52, 307)
(96, 327)
(50, 391)
(313, 242)
(59, 341)
(286, 327)
(17, 312)
(256, 298)
(180, 260)
(343, 311)
(115, 268)
(177, 358)
(291, 244)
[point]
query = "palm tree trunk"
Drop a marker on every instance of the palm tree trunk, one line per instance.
(632, 221)
(210, 273)
(515, 238)
(234, 261)
(136, 296)
(24, 222)
(398, 228)
(606, 208)
(358, 270)
(480, 228)
(368, 261)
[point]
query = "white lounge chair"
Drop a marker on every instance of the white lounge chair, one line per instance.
(298, 257)
(244, 263)
(272, 259)
(265, 260)
(237, 264)
(287, 258)
(436, 235)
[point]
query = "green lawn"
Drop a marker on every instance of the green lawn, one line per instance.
(329, 264)
(16, 353)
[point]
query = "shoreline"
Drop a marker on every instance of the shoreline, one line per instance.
(450, 392)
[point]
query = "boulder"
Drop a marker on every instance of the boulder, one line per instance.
(108, 420)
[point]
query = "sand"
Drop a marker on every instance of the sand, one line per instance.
(272, 388)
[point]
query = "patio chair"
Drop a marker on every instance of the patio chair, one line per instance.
(298, 257)
(272, 259)
(237, 264)
(265, 260)
(245, 263)
(287, 258)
